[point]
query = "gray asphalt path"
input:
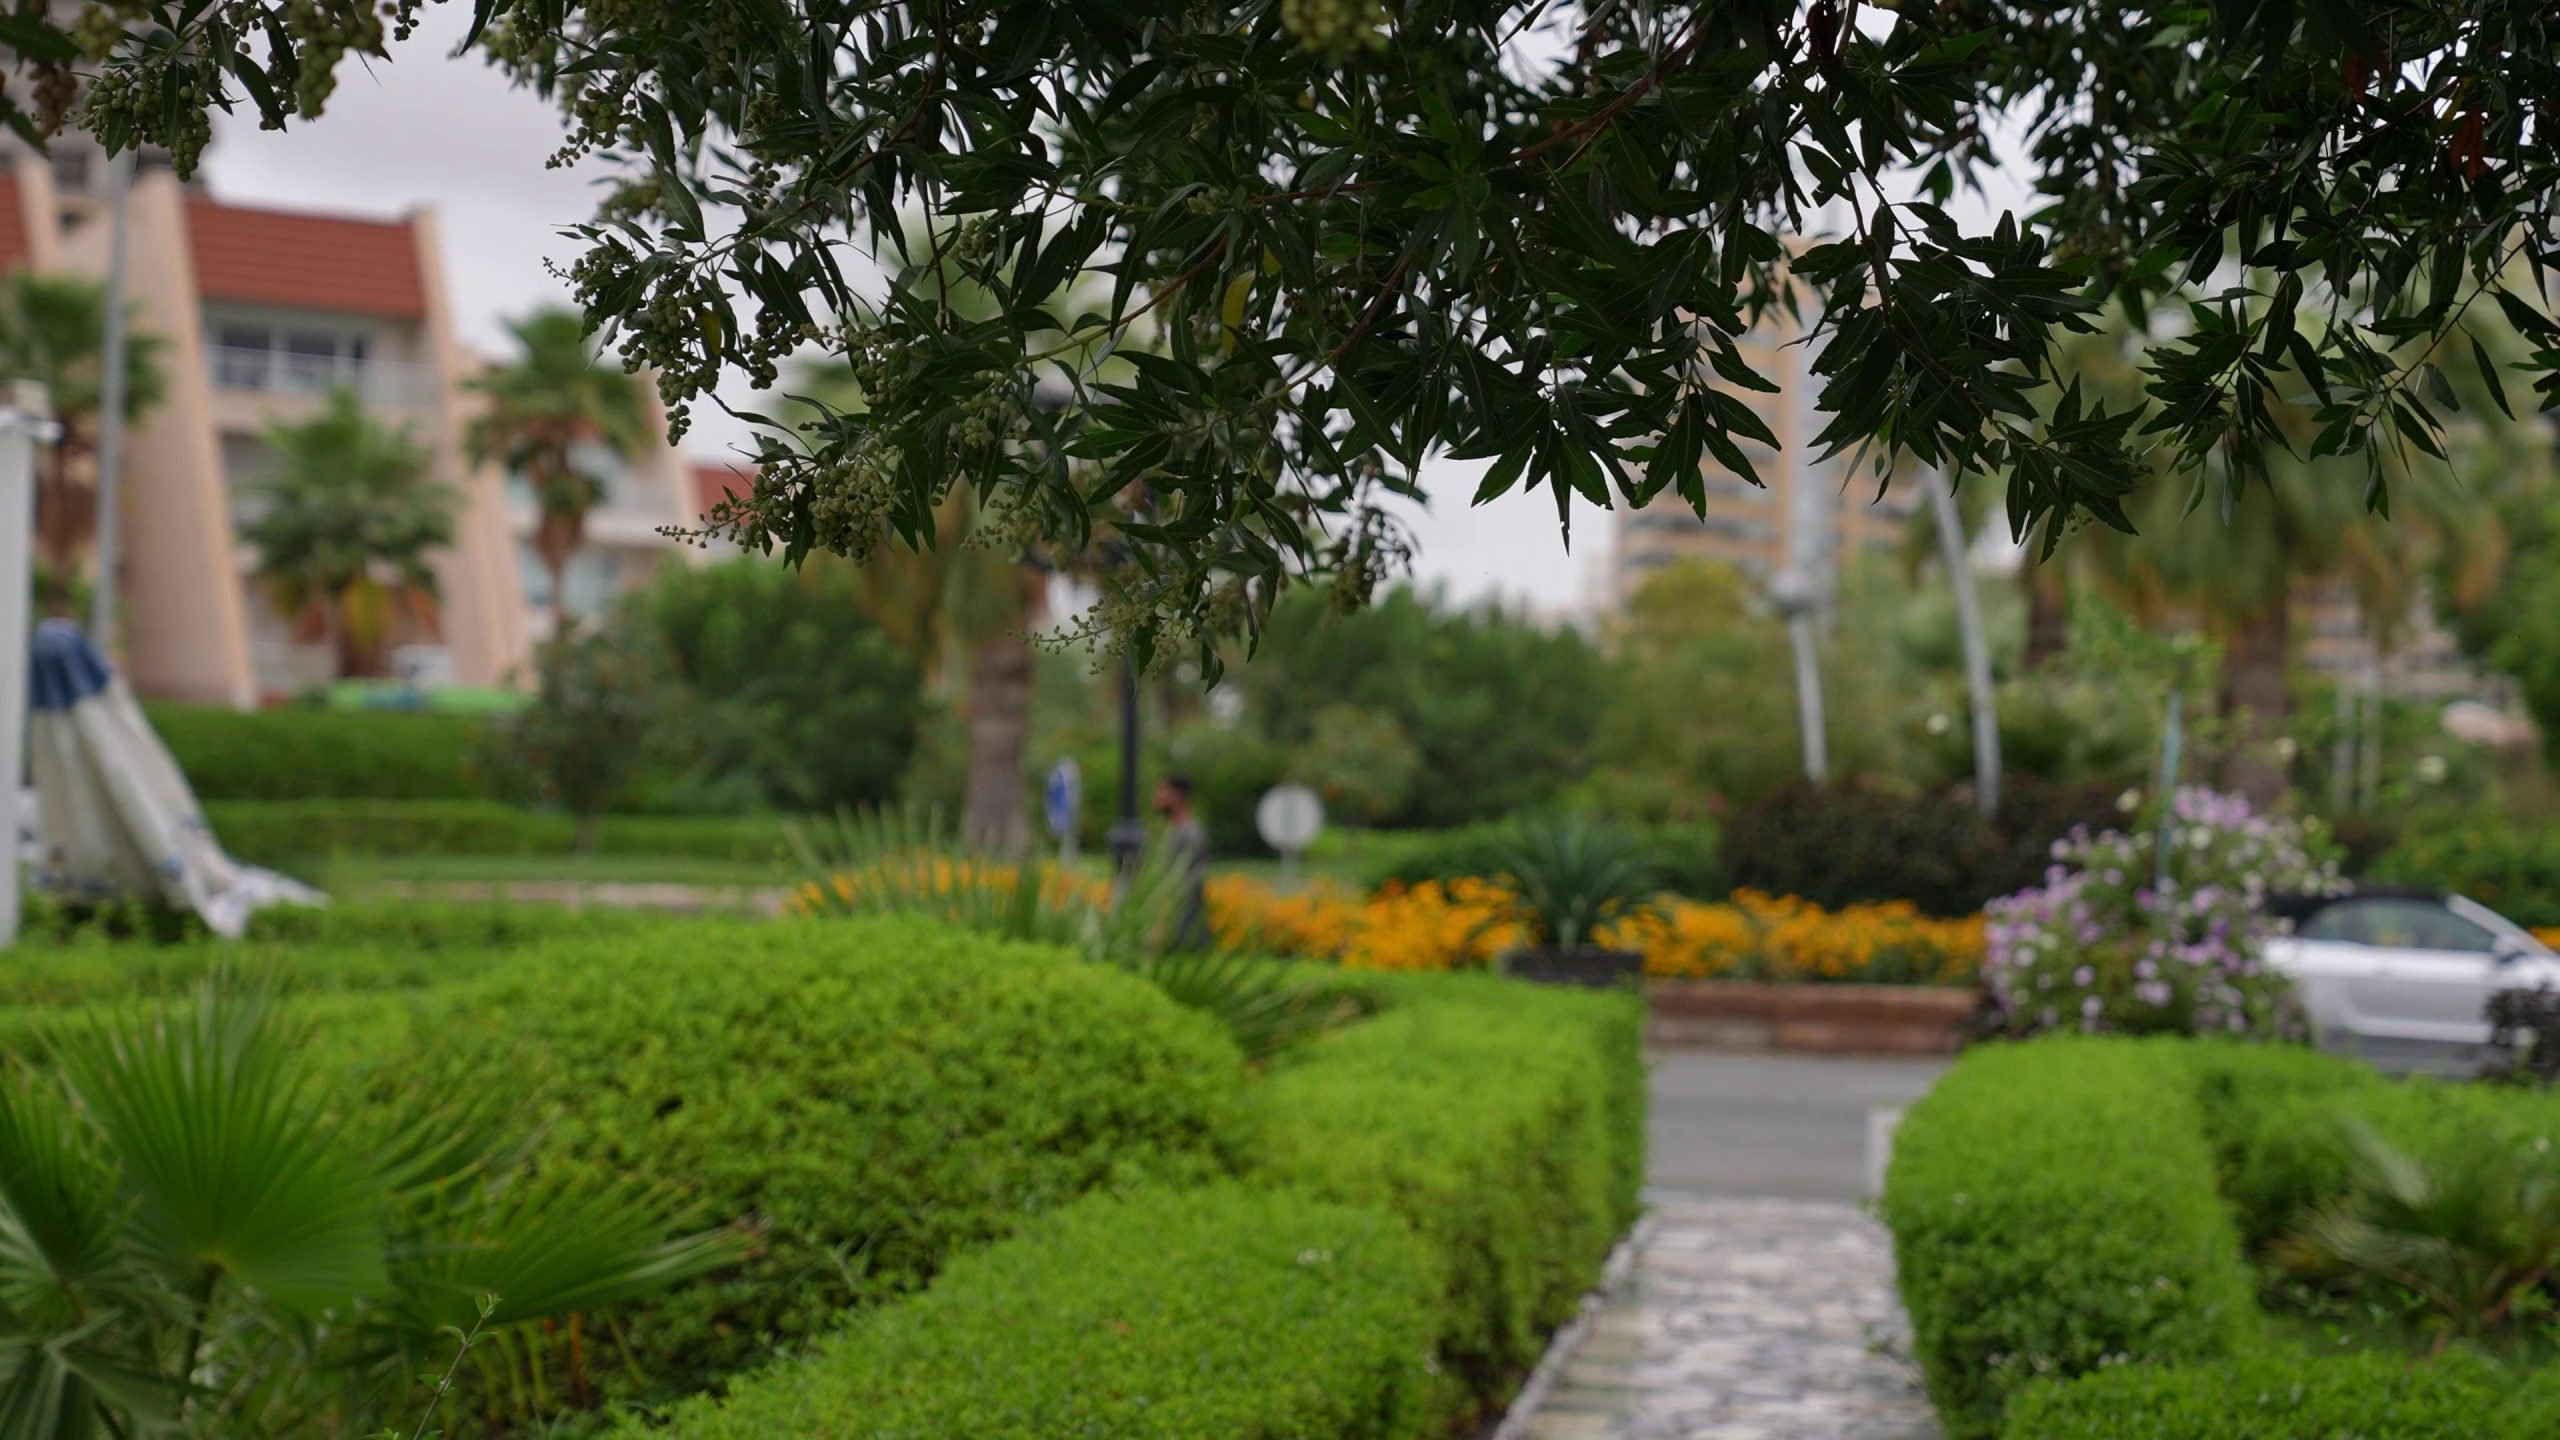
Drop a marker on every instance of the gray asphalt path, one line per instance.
(1789, 1126)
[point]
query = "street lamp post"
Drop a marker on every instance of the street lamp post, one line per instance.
(1128, 838)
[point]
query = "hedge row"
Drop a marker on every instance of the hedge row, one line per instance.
(870, 1097)
(280, 833)
(2280, 1395)
(1224, 1313)
(300, 754)
(2053, 1210)
(1504, 1125)
(1686, 857)
(1424, 1195)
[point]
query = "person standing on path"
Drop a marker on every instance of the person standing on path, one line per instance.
(1186, 849)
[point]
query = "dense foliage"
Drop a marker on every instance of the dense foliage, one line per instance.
(1685, 858)
(798, 701)
(1338, 239)
(1224, 1313)
(1856, 841)
(1508, 1133)
(2053, 1212)
(2161, 930)
(869, 1097)
(307, 754)
(606, 707)
(2280, 1395)
(2512, 870)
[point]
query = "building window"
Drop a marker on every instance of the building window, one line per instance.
(296, 359)
(598, 463)
(593, 580)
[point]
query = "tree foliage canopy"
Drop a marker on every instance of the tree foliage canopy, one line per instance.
(1528, 231)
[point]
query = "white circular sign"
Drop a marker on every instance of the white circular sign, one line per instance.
(1289, 817)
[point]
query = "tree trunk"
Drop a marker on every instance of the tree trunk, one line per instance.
(2048, 612)
(999, 709)
(2256, 699)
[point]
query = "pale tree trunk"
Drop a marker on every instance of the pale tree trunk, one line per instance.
(2256, 699)
(999, 709)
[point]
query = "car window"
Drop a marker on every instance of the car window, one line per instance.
(2402, 924)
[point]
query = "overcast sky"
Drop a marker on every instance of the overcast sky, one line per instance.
(425, 130)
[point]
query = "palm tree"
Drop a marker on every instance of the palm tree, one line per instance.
(51, 330)
(2237, 575)
(351, 524)
(557, 396)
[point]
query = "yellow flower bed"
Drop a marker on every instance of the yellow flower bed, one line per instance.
(927, 879)
(2548, 935)
(1457, 926)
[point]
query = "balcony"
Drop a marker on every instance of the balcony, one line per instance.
(387, 384)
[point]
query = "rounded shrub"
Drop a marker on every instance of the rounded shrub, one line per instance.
(868, 1097)
(2274, 1394)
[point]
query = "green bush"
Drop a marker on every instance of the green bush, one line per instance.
(871, 1097)
(2285, 1395)
(2276, 1117)
(798, 700)
(281, 833)
(2514, 872)
(309, 754)
(1503, 1122)
(1685, 857)
(2053, 1210)
(1216, 1314)
(1850, 842)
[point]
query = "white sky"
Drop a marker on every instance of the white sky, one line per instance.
(452, 134)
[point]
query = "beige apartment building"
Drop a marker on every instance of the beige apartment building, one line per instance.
(262, 314)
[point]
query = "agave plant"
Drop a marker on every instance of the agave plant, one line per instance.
(194, 1240)
(911, 863)
(2474, 1232)
(1568, 878)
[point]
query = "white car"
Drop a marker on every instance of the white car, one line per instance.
(2403, 977)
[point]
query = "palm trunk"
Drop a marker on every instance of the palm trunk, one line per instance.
(2048, 613)
(558, 565)
(999, 709)
(2256, 699)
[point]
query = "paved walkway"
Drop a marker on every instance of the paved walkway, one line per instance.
(1761, 1306)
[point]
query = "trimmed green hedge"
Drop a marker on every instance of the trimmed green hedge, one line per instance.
(283, 832)
(67, 959)
(1504, 1123)
(2053, 1211)
(2278, 1395)
(871, 1097)
(1216, 1314)
(300, 754)
(2514, 872)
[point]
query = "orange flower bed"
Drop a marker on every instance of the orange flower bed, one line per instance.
(1457, 926)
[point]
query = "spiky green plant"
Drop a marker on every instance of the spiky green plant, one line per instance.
(1568, 877)
(195, 1239)
(2474, 1231)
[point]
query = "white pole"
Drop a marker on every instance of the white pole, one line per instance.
(1977, 649)
(1817, 750)
(102, 591)
(26, 419)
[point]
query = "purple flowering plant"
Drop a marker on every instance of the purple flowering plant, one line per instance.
(2107, 944)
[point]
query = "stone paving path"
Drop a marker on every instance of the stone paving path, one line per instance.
(1747, 1319)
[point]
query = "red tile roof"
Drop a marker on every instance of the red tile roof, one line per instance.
(13, 221)
(309, 262)
(718, 480)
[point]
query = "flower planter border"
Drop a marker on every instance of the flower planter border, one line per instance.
(1819, 1019)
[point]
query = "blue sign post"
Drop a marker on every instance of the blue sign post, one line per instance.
(1062, 801)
